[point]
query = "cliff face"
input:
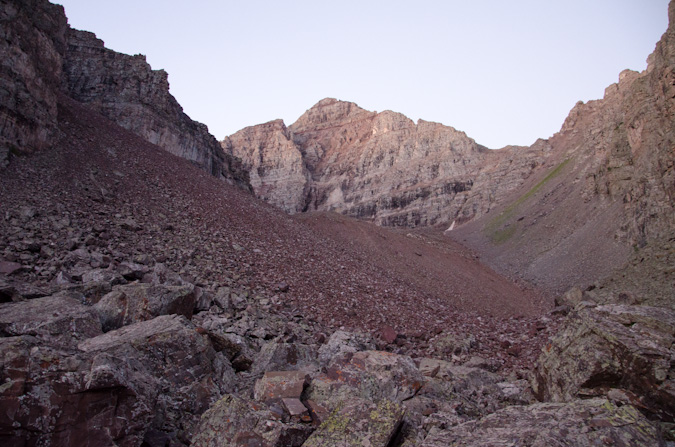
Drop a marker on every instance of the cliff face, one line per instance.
(562, 212)
(276, 168)
(377, 166)
(43, 58)
(32, 42)
(603, 198)
(126, 90)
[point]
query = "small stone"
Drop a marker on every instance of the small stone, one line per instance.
(8, 268)
(280, 384)
(388, 334)
(296, 410)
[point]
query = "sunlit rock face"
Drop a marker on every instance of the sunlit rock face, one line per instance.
(377, 166)
(276, 168)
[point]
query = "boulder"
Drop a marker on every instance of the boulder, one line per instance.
(150, 379)
(47, 398)
(279, 385)
(132, 303)
(285, 356)
(342, 342)
(612, 347)
(582, 423)
(358, 423)
(370, 375)
(61, 319)
(168, 364)
(236, 421)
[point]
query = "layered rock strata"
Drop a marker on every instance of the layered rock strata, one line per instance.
(32, 44)
(42, 57)
(377, 166)
(605, 195)
(126, 90)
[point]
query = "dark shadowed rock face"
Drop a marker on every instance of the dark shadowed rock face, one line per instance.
(125, 89)
(32, 43)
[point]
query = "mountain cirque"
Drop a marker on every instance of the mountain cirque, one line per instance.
(150, 300)
(602, 187)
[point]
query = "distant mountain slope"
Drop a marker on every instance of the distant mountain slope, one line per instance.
(605, 196)
(378, 166)
(563, 212)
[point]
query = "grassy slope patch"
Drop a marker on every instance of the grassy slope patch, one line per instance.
(494, 229)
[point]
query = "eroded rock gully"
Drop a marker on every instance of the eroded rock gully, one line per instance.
(145, 302)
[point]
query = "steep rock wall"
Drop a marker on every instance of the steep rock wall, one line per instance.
(126, 90)
(276, 168)
(604, 197)
(32, 42)
(378, 166)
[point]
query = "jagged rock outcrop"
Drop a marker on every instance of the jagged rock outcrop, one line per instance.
(276, 167)
(606, 192)
(32, 43)
(125, 89)
(377, 166)
(42, 57)
(622, 352)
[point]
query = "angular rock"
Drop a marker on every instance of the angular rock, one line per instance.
(165, 353)
(370, 375)
(280, 384)
(154, 377)
(139, 302)
(579, 423)
(296, 410)
(613, 346)
(341, 342)
(7, 268)
(234, 421)
(60, 320)
(285, 356)
(388, 334)
(358, 423)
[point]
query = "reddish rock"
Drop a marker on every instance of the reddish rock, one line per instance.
(388, 334)
(280, 384)
(318, 412)
(296, 410)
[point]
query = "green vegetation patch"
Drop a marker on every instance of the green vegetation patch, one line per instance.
(499, 235)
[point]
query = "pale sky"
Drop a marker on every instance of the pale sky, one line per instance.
(505, 72)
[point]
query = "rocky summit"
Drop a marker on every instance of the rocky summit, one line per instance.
(524, 296)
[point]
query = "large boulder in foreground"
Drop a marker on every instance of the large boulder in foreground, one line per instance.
(623, 351)
(132, 303)
(59, 319)
(145, 383)
(237, 421)
(359, 423)
(582, 423)
(369, 375)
